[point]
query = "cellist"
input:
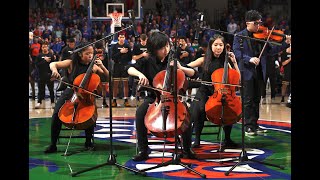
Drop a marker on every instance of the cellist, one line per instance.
(78, 64)
(213, 59)
(146, 69)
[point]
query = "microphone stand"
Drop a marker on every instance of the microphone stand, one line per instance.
(112, 157)
(175, 158)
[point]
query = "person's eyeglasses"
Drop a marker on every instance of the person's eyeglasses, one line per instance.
(256, 22)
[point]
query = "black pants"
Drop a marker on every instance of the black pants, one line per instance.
(142, 131)
(251, 91)
(132, 86)
(41, 87)
(56, 123)
(198, 115)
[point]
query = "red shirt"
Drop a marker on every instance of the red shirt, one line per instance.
(35, 49)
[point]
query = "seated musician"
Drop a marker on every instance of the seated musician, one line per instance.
(77, 65)
(146, 69)
(213, 59)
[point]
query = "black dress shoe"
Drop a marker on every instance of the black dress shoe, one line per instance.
(189, 154)
(141, 156)
(51, 149)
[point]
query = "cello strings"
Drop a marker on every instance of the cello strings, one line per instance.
(157, 89)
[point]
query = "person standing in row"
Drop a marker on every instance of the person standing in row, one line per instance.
(121, 55)
(42, 63)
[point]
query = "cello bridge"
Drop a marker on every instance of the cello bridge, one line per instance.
(224, 90)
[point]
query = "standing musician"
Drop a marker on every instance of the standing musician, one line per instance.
(254, 68)
(213, 60)
(146, 69)
(77, 65)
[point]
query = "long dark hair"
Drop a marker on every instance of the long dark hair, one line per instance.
(209, 55)
(76, 58)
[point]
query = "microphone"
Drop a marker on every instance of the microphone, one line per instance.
(199, 20)
(132, 18)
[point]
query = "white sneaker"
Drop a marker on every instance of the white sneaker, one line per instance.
(260, 130)
(38, 106)
(263, 101)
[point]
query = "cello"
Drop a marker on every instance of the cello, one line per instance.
(160, 116)
(80, 111)
(223, 107)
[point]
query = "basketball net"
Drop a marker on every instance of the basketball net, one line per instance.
(115, 20)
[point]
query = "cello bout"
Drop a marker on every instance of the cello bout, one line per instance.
(223, 107)
(80, 111)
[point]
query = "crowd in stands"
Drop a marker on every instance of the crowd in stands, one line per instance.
(54, 24)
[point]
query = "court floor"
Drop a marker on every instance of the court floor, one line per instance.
(273, 147)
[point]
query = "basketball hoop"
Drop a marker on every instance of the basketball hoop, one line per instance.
(115, 20)
(99, 11)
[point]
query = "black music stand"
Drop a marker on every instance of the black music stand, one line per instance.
(175, 158)
(112, 157)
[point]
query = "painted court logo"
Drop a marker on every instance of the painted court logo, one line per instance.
(210, 161)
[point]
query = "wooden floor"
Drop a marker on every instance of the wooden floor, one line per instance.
(273, 111)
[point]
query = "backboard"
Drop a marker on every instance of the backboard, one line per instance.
(101, 9)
